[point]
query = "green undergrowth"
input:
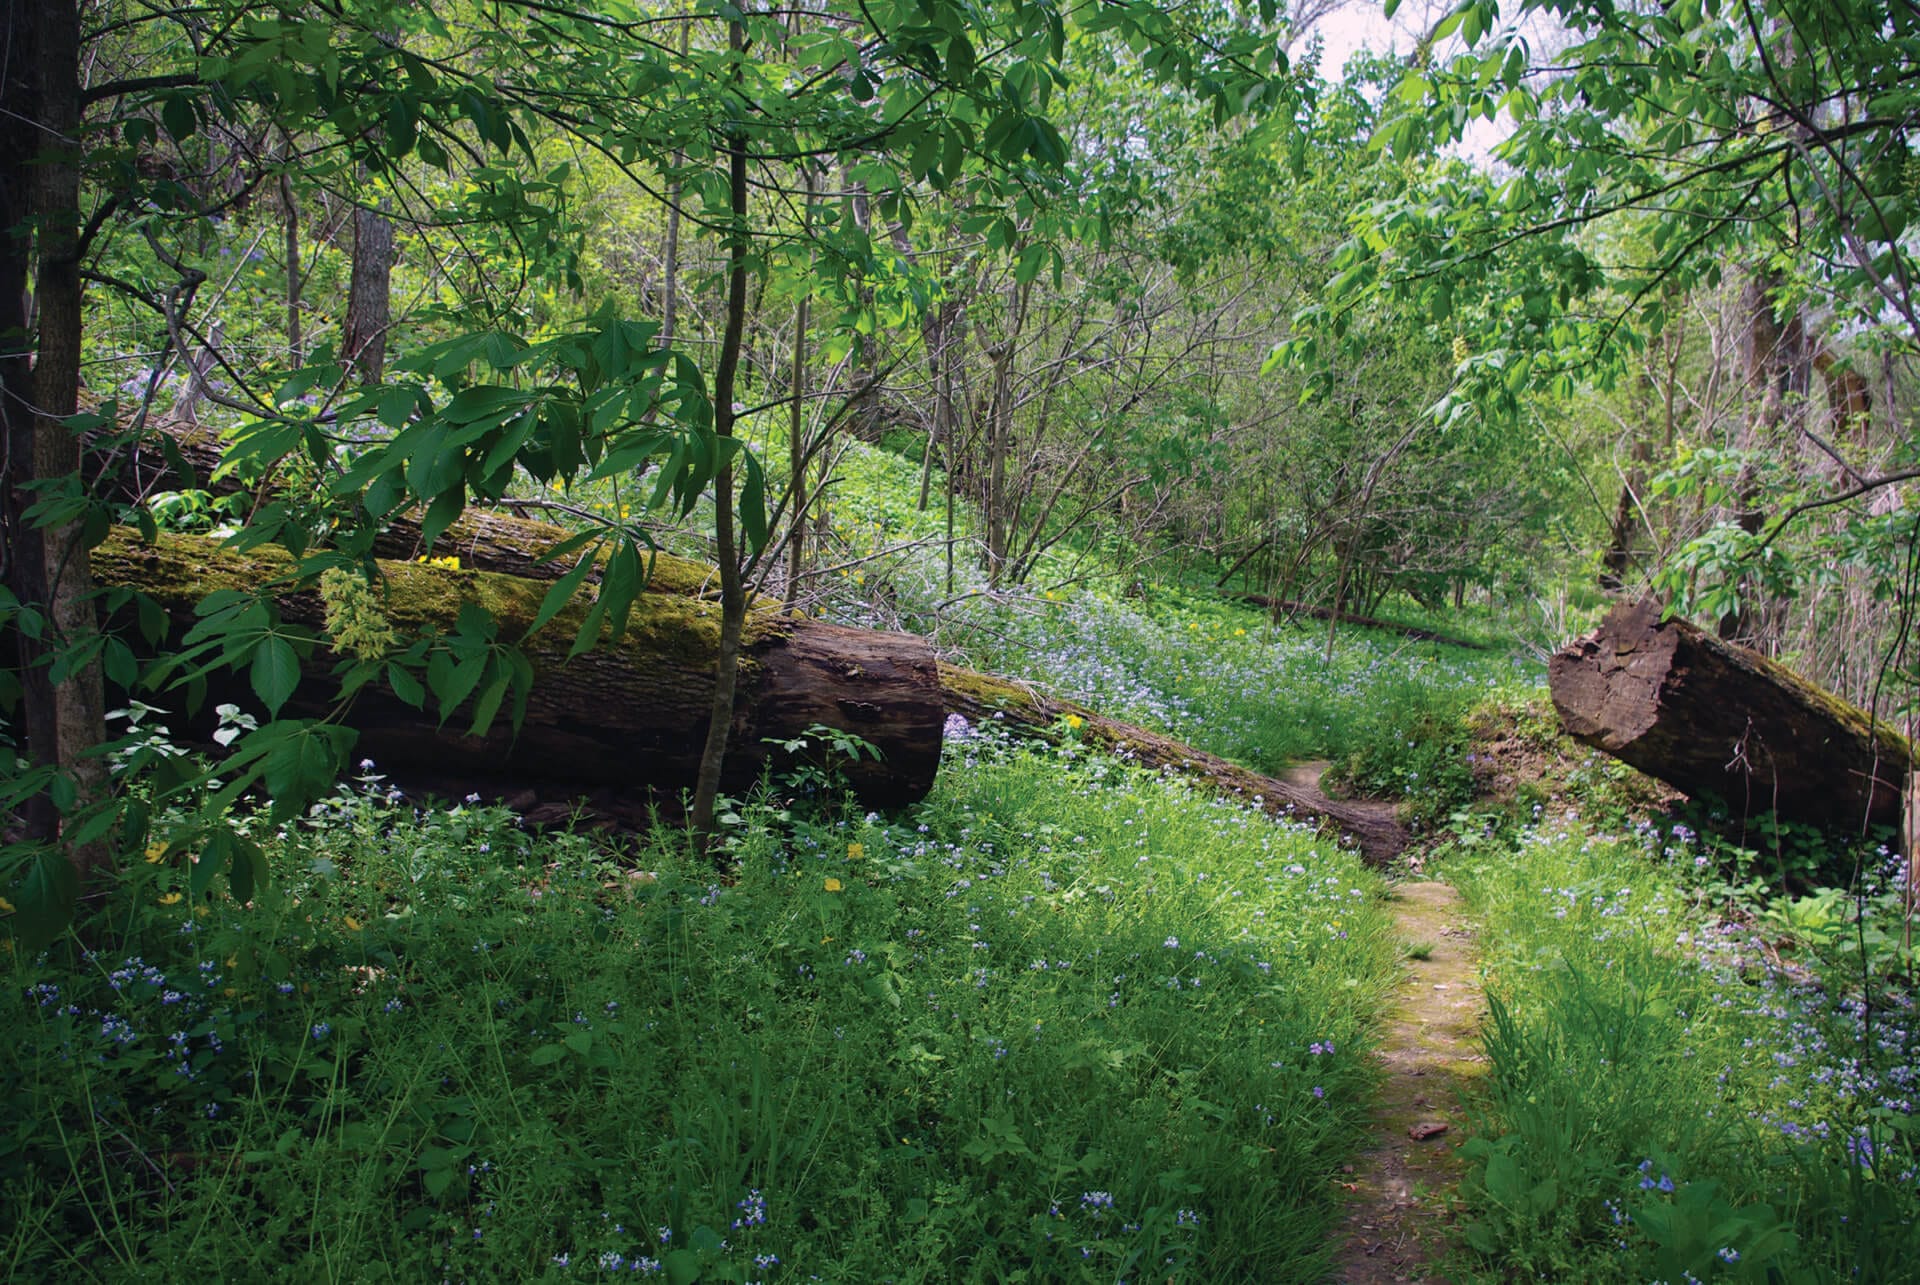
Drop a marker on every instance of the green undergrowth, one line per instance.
(1681, 1090)
(1066, 1021)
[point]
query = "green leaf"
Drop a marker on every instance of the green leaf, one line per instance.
(177, 113)
(560, 594)
(214, 857)
(300, 764)
(43, 897)
(247, 869)
(405, 685)
(487, 705)
(275, 672)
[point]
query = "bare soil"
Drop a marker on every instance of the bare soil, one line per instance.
(1400, 1212)
(1400, 1217)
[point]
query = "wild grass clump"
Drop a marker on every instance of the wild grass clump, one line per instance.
(1067, 1021)
(1671, 1097)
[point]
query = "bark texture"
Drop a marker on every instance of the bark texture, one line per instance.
(623, 724)
(1709, 717)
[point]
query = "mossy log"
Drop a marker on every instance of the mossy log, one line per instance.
(1708, 717)
(492, 542)
(622, 724)
(982, 698)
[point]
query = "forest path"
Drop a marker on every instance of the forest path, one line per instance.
(1399, 1217)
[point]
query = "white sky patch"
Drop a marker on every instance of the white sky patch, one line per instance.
(1362, 24)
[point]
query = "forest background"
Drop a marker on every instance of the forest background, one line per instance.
(1040, 330)
(1145, 285)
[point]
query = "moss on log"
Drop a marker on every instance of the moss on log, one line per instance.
(1708, 717)
(622, 723)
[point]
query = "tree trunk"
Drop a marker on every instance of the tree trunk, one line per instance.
(48, 565)
(623, 724)
(290, 251)
(733, 601)
(797, 454)
(1711, 718)
(369, 296)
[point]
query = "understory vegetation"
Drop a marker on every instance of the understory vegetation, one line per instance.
(1684, 1081)
(1064, 1021)
(1131, 353)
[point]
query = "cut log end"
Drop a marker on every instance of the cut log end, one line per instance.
(1711, 718)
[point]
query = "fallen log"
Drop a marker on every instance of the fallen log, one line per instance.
(1710, 718)
(622, 724)
(1288, 607)
(985, 699)
(491, 542)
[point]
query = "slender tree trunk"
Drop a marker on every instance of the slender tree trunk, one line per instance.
(64, 718)
(670, 267)
(733, 599)
(290, 210)
(370, 295)
(796, 420)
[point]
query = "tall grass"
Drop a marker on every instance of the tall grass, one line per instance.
(1670, 1099)
(1065, 1022)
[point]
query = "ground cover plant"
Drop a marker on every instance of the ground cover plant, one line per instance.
(1680, 1089)
(1066, 1021)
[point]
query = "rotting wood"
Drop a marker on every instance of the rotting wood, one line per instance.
(1708, 717)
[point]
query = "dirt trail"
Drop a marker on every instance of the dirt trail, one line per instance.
(1399, 1220)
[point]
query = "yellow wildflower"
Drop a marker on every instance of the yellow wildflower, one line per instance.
(352, 924)
(833, 885)
(6, 907)
(1075, 722)
(171, 899)
(155, 851)
(855, 851)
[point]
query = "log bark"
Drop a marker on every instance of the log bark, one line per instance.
(982, 698)
(622, 724)
(1708, 717)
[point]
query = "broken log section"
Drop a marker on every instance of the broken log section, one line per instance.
(1708, 717)
(623, 723)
